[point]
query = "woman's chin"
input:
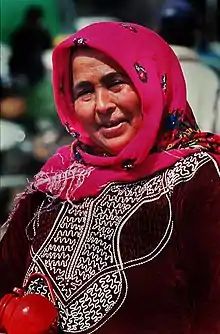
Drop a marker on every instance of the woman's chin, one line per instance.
(115, 145)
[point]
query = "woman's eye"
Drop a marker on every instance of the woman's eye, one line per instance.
(116, 84)
(83, 93)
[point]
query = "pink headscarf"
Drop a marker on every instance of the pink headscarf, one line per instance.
(169, 131)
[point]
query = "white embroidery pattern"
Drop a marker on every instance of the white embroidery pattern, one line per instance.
(76, 172)
(81, 255)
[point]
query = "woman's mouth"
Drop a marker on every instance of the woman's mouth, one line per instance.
(113, 128)
(112, 124)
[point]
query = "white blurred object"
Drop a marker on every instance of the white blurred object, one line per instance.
(5, 54)
(47, 59)
(11, 134)
(12, 181)
(202, 88)
(84, 21)
(3, 230)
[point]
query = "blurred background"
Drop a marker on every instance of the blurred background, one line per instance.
(30, 130)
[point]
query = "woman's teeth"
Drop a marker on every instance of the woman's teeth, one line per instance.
(112, 124)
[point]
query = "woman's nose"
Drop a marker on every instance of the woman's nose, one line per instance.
(104, 102)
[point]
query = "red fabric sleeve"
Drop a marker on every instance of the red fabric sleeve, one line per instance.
(200, 247)
(14, 246)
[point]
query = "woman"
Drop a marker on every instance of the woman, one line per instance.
(125, 222)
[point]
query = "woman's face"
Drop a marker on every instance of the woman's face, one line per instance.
(105, 100)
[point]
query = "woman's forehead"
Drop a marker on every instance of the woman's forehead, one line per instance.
(89, 55)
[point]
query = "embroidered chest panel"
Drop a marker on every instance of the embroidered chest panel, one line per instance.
(82, 256)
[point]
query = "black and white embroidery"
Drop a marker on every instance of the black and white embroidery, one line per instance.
(142, 73)
(129, 27)
(82, 257)
(164, 82)
(79, 41)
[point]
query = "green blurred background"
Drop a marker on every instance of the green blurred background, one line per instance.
(12, 13)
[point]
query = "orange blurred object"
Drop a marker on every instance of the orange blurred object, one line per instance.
(13, 107)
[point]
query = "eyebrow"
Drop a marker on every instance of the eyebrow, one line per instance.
(104, 80)
(81, 85)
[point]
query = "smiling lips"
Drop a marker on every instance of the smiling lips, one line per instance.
(112, 124)
(113, 128)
